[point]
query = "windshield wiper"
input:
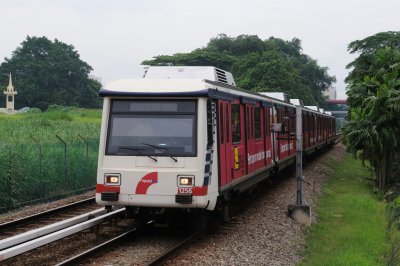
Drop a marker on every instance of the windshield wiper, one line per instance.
(138, 151)
(161, 148)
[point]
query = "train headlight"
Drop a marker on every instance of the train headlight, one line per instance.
(112, 179)
(185, 180)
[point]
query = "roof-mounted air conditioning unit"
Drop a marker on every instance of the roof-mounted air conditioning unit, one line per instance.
(189, 72)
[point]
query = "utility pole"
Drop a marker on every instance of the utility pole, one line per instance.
(300, 212)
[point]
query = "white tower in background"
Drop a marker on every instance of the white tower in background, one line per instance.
(10, 93)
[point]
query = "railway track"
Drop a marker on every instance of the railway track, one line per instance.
(18, 244)
(103, 248)
(79, 206)
(122, 244)
(28, 233)
(97, 249)
(173, 250)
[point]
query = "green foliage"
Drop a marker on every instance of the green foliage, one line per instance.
(367, 49)
(49, 72)
(351, 228)
(257, 65)
(199, 57)
(374, 99)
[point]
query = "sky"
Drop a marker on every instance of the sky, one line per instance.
(114, 37)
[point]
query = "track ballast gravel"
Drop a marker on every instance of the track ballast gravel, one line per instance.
(265, 234)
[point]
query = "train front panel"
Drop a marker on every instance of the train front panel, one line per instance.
(155, 152)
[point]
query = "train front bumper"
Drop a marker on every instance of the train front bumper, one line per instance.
(162, 201)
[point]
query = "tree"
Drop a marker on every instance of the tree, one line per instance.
(49, 72)
(373, 131)
(199, 57)
(367, 49)
(271, 72)
(257, 65)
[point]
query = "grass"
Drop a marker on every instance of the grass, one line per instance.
(34, 164)
(351, 228)
(66, 123)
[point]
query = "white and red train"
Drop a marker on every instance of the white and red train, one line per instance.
(186, 138)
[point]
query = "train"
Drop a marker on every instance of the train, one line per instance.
(186, 139)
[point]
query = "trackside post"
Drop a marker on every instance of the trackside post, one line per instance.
(300, 212)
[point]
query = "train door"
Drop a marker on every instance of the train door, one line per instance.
(282, 137)
(267, 133)
(258, 156)
(250, 137)
(306, 143)
(319, 126)
(238, 139)
(333, 127)
(274, 139)
(224, 143)
(313, 130)
(291, 131)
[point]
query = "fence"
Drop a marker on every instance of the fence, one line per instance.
(40, 171)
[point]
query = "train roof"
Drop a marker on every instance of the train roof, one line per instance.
(277, 95)
(180, 83)
(297, 102)
(188, 88)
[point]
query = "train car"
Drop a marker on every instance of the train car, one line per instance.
(185, 138)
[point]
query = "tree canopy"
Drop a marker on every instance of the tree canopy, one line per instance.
(259, 65)
(373, 130)
(50, 72)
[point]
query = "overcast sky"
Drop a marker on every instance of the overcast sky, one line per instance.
(114, 37)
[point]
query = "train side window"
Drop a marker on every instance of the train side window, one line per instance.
(257, 122)
(235, 119)
(221, 123)
(227, 123)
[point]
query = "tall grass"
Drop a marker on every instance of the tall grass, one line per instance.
(352, 223)
(47, 155)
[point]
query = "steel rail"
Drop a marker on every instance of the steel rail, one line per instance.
(34, 217)
(35, 243)
(95, 250)
(158, 260)
(45, 230)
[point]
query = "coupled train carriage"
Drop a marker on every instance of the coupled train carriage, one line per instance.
(185, 138)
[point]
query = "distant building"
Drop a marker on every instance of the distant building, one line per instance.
(339, 109)
(330, 92)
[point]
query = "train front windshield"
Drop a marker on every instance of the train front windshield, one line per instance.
(152, 128)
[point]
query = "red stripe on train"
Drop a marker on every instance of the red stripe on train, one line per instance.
(146, 182)
(200, 191)
(100, 188)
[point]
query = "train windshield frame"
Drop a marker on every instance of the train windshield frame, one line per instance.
(152, 128)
